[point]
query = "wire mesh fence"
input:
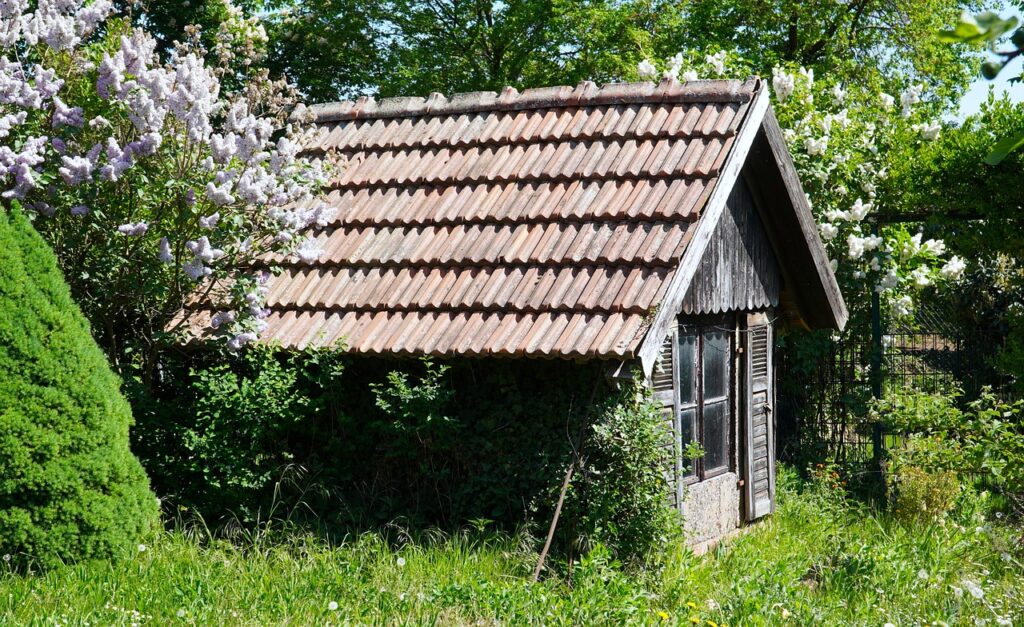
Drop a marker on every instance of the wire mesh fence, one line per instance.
(823, 406)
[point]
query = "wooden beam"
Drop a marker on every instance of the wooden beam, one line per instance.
(787, 218)
(708, 220)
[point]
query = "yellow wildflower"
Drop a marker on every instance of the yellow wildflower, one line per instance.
(663, 615)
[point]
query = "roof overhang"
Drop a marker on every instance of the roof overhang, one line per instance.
(761, 156)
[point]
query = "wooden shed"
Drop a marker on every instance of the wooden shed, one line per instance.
(660, 228)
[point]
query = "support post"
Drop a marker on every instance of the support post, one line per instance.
(877, 442)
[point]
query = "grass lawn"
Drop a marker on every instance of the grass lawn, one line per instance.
(818, 560)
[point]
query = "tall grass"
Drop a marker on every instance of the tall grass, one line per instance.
(819, 560)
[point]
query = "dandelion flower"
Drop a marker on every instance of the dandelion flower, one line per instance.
(333, 606)
(974, 589)
(181, 613)
(400, 562)
(142, 548)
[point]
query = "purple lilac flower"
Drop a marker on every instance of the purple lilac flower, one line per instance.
(76, 170)
(133, 229)
(166, 256)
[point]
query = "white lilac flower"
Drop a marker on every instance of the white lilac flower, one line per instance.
(910, 97)
(717, 62)
(133, 229)
(886, 101)
(929, 131)
(855, 246)
(674, 65)
(808, 75)
(869, 188)
(876, 263)
(921, 277)
(838, 94)
(974, 589)
(903, 306)
(165, 254)
(815, 147)
(934, 246)
(888, 282)
(833, 264)
(954, 268)
(872, 242)
(690, 75)
(829, 231)
(783, 84)
(859, 210)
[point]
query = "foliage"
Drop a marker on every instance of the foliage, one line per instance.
(424, 442)
(342, 48)
(153, 177)
(819, 560)
(70, 488)
(984, 439)
(922, 495)
(619, 499)
(988, 28)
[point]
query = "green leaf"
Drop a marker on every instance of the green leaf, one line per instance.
(1004, 147)
(987, 26)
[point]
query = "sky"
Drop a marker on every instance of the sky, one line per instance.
(979, 89)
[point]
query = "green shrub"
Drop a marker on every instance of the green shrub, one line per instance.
(69, 486)
(923, 496)
(621, 498)
(984, 439)
(419, 442)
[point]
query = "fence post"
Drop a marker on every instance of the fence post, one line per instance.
(877, 442)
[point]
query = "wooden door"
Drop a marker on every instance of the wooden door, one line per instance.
(759, 466)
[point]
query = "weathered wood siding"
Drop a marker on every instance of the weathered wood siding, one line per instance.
(739, 271)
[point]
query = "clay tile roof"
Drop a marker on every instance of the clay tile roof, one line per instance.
(545, 223)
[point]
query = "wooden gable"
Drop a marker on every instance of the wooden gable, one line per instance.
(739, 271)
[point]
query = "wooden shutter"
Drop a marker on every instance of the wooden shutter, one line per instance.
(664, 380)
(759, 471)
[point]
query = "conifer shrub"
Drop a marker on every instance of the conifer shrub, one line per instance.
(70, 488)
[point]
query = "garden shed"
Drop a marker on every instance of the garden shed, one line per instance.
(658, 228)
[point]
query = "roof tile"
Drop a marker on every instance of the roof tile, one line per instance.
(542, 223)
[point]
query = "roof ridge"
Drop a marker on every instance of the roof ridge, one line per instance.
(587, 93)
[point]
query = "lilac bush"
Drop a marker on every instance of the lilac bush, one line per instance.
(154, 179)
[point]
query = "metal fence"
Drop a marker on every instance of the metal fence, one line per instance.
(823, 405)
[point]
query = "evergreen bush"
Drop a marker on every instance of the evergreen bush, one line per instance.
(70, 488)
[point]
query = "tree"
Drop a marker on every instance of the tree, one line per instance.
(70, 488)
(154, 177)
(850, 40)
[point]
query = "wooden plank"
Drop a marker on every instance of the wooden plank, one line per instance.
(792, 230)
(669, 308)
